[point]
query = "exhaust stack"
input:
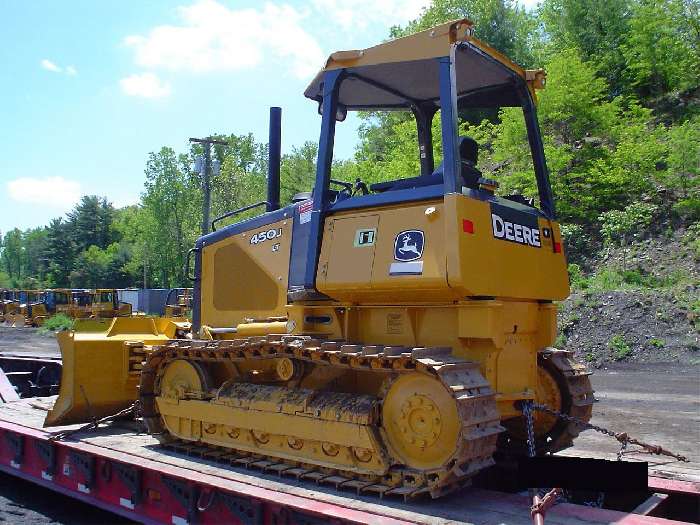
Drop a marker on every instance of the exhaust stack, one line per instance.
(274, 159)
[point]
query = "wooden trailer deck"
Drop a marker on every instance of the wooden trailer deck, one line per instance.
(125, 471)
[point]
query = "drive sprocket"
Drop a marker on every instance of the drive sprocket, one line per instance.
(564, 386)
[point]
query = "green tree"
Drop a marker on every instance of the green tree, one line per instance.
(298, 170)
(91, 222)
(35, 263)
(662, 49)
(243, 173)
(597, 29)
(59, 252)
(170, 220)
(129, 223)
(602, 154)
(12, 256)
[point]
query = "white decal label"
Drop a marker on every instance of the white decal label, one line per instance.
(266, 235)
(406, 268)
(305, 211)
(512, 231)
(365, 237)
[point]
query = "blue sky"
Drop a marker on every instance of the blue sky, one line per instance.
(89, 88)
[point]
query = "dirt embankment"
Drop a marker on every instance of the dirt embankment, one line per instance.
(641, 326)
(640, 303)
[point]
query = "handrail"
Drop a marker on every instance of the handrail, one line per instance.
(236, 212)
(187, 264)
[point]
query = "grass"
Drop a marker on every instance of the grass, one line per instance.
(57, 323)
(692, 239)
(560, 342)
(610, 279)
(619, 347)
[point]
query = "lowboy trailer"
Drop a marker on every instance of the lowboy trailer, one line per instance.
(121, 469)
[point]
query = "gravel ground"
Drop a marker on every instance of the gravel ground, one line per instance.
(657, 403)
(27, 341)
(658, 324)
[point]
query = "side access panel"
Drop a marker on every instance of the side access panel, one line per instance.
(245, 273)
(384, 255)
(503, 249)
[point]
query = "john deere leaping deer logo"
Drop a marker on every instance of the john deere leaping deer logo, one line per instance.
(408, 245)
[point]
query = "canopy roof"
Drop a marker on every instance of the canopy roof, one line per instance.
(404, 72)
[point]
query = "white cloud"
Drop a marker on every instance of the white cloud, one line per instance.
(124, 199)
(213, 37)
(50, 66)
(358, 14)
(54, 192)
(146, 85)
(54, 68)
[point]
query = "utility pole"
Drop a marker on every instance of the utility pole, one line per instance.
(206, 179)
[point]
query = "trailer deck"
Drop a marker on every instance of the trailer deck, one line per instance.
(123, 470)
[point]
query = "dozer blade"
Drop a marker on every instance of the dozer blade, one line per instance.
(102, 364)
(91, 325)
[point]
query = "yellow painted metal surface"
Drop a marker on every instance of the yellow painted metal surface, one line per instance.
(103, 304)
(362, 274)
(430, 43)
(446, 305)
(327, 414)
(421, 421)
(503, 336)
(479, 264)
(455, 264)
(101, 368)
(245, 276)
(294, 423)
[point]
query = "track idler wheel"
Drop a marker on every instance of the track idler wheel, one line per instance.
(182, 379)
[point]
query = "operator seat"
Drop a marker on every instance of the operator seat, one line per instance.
(468, 154)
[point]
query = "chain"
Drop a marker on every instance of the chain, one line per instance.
(538, 504)
(129, 413)
(623, 448)
(530, 424)
(622, 437)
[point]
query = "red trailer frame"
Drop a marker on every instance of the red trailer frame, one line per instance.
(151, 491)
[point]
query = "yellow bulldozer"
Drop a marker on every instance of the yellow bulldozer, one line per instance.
(380, 336)
(8, 303)
(27, 309)
(34, 307)
(105, 304)
(178, 302)
(81, 304)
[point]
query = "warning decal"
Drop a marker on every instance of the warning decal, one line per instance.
(305, 211)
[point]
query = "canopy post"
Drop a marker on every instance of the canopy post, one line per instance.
(424, 114)
(329, 107)
(448, 117)
(544, 188)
